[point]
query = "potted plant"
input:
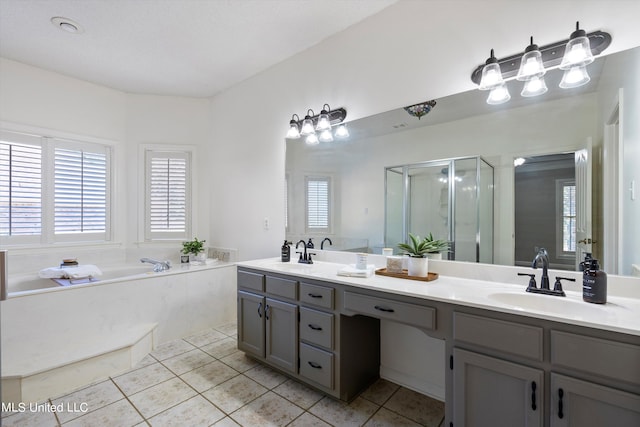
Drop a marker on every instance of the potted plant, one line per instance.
(195, 250)
(436, 247)
(417, 250)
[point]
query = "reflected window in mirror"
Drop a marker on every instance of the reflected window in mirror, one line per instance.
(566, 219)
(318, 196)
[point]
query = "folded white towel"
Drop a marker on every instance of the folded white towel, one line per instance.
(79, 272)
(352, 271)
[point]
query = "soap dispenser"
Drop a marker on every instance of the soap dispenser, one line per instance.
(310, 244)
(594, 283)
(285, 251)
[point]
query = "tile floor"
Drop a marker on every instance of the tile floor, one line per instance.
(203, 380)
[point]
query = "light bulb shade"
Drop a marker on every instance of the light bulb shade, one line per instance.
(534, 87)
(531, 66)
(293, 132)
(312, 139)
(307, 126)
(499, 95)
(342, 131)
(326, 136)
(491, 77)
(575, 77)
(578, 50)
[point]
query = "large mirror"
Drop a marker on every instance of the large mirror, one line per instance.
(584, 122)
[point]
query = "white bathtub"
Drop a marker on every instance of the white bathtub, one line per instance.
(56, 338)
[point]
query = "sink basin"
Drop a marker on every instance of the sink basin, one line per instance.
(545, 303)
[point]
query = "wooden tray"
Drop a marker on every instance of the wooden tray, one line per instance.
(405, 275)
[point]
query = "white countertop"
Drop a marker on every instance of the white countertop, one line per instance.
(619, 314)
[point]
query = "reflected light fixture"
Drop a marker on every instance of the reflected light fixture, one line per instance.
(572, 56)
(421, 109)
(322, 123)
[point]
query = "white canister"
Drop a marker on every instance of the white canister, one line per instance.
(361, 261)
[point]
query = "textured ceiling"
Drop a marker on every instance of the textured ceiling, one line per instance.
(171, 47)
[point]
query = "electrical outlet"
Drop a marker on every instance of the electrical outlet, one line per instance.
(266, 223)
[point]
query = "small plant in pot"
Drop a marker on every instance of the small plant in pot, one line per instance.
(417, 249)
(194, 249)
(436, 247)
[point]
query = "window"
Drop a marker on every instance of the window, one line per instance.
(53, 189)
(318, 192)
(566, 194)
(168, 194)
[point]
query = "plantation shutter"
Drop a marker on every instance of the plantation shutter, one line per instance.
(318, 197)
(20, 185)
(168, 195)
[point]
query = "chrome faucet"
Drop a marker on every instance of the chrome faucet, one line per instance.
(158, 266)
(325, 240)
(305, 258)
(543, 256)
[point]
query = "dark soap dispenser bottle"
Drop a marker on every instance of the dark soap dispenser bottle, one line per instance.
(285, 252)
(594, 283)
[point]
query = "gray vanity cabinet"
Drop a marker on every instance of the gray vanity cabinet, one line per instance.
(494, 392)
(251, 323)
(281, 327)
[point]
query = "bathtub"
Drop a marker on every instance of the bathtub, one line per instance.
(31, 282)
(58, 338)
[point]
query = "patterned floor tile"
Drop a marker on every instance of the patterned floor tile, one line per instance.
(205, 337)
(265, 376)
(188, 361)
(90, 399)
(139, 379)
(386, 418)
(239, 361)
(235, 393)
(342, 414)
(195, 412)
(380, 391)
(161, 397)
(208, 376)
(267, 410)
(172, 348)
(308, 420)
(298, 393)
(221, 348)
(417, 407)
(120, 413)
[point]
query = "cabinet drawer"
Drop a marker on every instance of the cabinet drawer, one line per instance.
(508, 337)
(320, 296)
(612, 359)
(316, 365)
(282, 287)
(316, 327)
(253, 281)
(412, 314)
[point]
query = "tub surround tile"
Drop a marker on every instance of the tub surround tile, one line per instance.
(221, 348)
(235, 393)
(417, 407)
(387, 418)
(188, 361)
(265, 376)
(161, 397)
(139, 379)
(205, 337)
(171, 348)
(380, 391)
(92, 398)
(195, 412)
(298, 393)
(208, 376)
(239, 361)
(342, 414)
(267, 410)
(120, 413)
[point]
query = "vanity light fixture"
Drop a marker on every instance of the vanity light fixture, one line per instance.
(572, 56)
(421, 109)
(321, 123)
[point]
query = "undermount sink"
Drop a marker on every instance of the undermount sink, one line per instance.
(546, 303)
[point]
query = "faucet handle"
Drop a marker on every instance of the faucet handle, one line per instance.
(558, 285)
(309, 257)
(532, 280)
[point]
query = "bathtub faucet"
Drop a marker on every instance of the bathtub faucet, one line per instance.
(158, 266)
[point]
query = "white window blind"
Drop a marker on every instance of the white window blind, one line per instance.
(20, 189)
(80, 191)
(568, 217)
(318, 207)
(168, 209)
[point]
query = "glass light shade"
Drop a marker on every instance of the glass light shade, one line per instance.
(534, 87)
(575, 77)
(531, 66)
(293, 132)
(307, 126)
(491, 76)
(323, 121)
(325, 136)
(498, 95)
(342, 131)
(577, 53)
(312, 139)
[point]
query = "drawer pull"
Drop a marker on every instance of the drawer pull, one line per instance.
(314, 365)
(312, 295)
(260, 310)
(533, 396)
(385, 309)
(266, 311)
(315, 327)
(560, 408)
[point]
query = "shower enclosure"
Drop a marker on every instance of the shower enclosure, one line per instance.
(450, 198)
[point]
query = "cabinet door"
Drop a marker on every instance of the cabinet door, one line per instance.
(251, 323)
(579, 403)
(282, 334)
(493, 392)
